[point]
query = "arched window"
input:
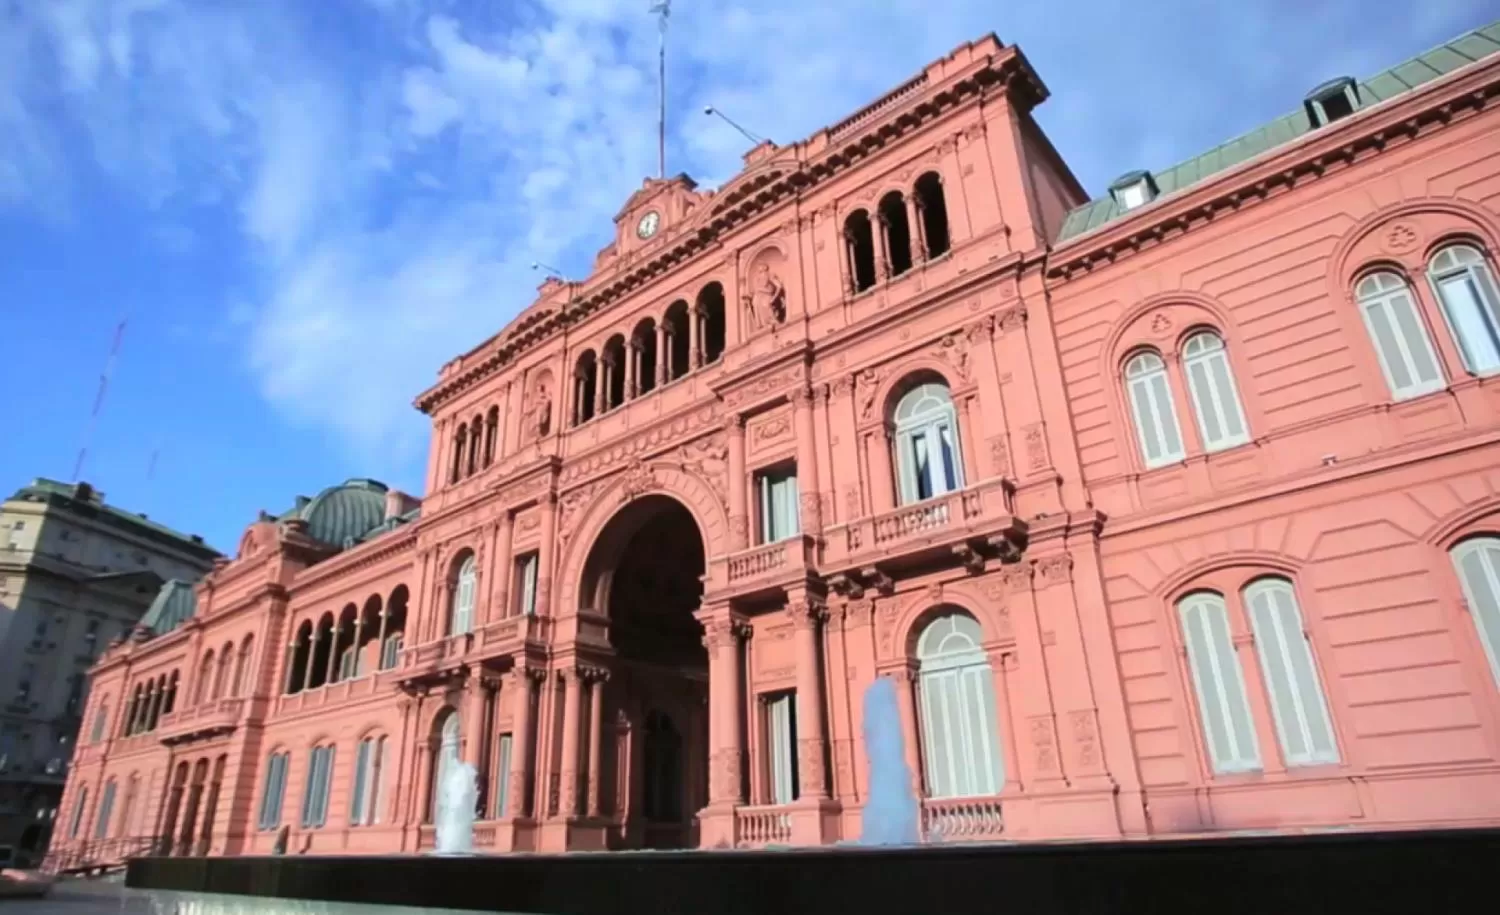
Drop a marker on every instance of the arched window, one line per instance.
(1478, 564)
(859, 248)
(1151, 405)
(461, 613)
(77, 821)
(445, 758)
(1465, 288)
(933, 210)
(101, 717)
(319, 784)
(460, 440)
(205, 679)
(1216, 403)
(897, 229)
(956, 691)
(585, 387)
(1298, 705)
(273, 791)
(1219, 683)
(364, 801)
(1401, 341)
(491, 432)
(927, 456)
(242, 672)
(128, 808)
(106, 810)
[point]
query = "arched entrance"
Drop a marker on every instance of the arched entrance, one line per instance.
(645, 573)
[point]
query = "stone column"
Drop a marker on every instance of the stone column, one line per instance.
(503, 566)
(882, 245)
(918, 228)
(597, 678)
(632, 368)
(601, 384)
(722, 632)
(847, 262)
(906, 684)
(544, 554)
(883, 485)
(567, 805)
(521, 750)
(808, 483)
(695, 337)
(807, 612)
(663, 353)
(739, 521)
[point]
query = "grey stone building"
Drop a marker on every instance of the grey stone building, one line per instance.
(75, 574)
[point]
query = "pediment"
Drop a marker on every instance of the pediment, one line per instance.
(762, 174)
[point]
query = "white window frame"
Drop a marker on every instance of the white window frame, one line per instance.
(925, 416)
(348, 667)
(1476, 562)
(1465, 263)
(77, 821)
(779, 505)
(273, 792)
(961, 753)
(1219, 684)
(357, 791)
(450, 743)
(781, 738)
(390, 651)
(527, 568)
(461, 620)
(106, 810)
(1214, 397)
(319, 787)
(504, 751)
(1391, 293)
(1149, 390)
(1299, 706)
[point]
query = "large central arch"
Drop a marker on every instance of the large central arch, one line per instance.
(644, 573)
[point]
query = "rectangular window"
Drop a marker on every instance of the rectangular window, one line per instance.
(275, 789)
(390, 652)
(502, 774)
(1297, 702)
(781, 737)
(77, 821)
(525, 576)
(777, 491)
(315, 797)
(357, 796)
(348, 664)
(106, 809)
(1219, 683)
(375, 783)
(100, 717)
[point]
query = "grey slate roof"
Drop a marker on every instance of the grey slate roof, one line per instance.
(84, 498)
(1396, 81)
(173, 605)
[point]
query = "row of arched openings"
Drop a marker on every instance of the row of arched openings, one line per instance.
(905, 229)
(341, 648)
(474, 445)
(657, 351)
(148, 702)
(225, 674)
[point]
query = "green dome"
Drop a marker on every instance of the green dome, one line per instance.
(173, 605)
(341, 515)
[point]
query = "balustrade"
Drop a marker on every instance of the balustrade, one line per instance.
(755, 827)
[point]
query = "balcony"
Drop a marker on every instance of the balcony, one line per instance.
(972, 525)
(770, 565)
(206, 720)
(336, 693)
(513, 633)
(757, 827)
(962, 819)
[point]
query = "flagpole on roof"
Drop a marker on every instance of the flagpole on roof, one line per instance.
(662, 9)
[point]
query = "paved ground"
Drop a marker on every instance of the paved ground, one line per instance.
(82, 897)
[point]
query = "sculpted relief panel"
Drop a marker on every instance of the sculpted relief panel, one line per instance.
(765, 299)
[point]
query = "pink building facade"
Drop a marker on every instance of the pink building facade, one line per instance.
(1171, 512)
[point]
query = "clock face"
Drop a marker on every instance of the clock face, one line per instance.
(647, 226)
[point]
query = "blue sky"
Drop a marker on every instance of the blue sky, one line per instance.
(304, 207)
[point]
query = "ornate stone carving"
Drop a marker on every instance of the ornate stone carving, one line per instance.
(639, 478)
(841, 386)
(807, 612)
(1054, 570)
(1011, 319)
(852, 502)
(660, 436)
(812, 510)
(568, 508)
(1036, 447)
(1017, 579)
(1161, 324)
(708, 458)
(538, 412)
(810, 766)
(772, 430)
(1043, 745)
(726, 768)
(1084, 737)
(718, 633)
(765, 303)
(859, 612)
(955, 350)
(999, 456)
(867, 383)
(517, 799)
(1400, 237)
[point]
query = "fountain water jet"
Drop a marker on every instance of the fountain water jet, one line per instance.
(891, 815)
(458, 795)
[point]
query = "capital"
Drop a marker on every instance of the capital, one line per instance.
(734, 423)
(807, 612)
(801, 396)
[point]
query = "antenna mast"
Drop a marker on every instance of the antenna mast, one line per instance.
(663, 9)
(109, 368)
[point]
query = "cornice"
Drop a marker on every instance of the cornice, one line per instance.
(849, 142)
(1313, 156)
(381, 549)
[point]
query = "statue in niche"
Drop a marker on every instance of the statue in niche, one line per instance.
(539, 413)
(766, 302)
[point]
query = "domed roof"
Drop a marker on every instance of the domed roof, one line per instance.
(173, 605)
(341, 515)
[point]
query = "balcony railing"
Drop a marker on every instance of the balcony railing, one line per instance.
(756, 827)
(791, 557)
(512, 632)
(983, 512)
(213, 716)
(961, 819)
(101, 854)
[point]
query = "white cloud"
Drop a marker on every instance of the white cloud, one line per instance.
(395, 166)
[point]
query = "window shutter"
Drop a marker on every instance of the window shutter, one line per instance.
(1478, 563)
(502, 768)
(783, 741)
(1219, 684)
(357, 796)
(1297, 701)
